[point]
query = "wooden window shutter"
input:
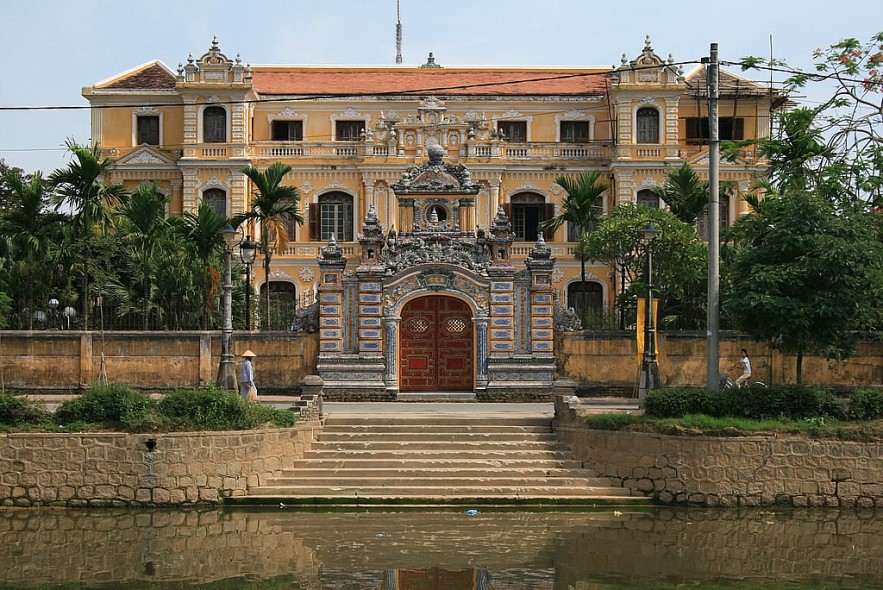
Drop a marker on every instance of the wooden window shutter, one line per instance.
(548, 214)
(738, 128)
(314, 221)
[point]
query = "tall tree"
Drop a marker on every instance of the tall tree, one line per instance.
(30, 228)
(143, 230)
(273, 206)
(204, 241)
(679, 258)
(804, 277)
(81, 188)
(582, 207)
(685, 193)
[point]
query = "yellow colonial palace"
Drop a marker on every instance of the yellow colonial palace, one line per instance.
(422, 189)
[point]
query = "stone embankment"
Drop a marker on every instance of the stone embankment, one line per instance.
(116, 469)
(718, 471)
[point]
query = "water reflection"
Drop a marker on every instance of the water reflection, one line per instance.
(440, 550)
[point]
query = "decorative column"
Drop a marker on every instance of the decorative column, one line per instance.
(331, 267)
(391, 327)
(481, 352)
(542, 318)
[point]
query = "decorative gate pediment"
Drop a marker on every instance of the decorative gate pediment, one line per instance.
(438, 278)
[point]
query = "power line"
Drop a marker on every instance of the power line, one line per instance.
(406, 92)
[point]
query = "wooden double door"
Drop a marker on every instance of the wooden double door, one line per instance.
(436, 348)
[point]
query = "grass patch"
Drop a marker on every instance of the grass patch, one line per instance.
(705, 425)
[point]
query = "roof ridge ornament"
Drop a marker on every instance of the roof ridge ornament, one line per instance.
(430, 63)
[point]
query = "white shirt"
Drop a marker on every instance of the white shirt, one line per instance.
(246, 372)
(746, 365)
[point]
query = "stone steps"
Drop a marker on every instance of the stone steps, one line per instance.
(399, 458)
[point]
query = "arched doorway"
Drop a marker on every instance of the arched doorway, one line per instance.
(437, 351)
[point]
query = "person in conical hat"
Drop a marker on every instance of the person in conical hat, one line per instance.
(246, 374)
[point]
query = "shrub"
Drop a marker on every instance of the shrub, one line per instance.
(214, 409)
(866, 404)
(112, 405)
(204, 409)
(793, 402)
(674, 402)
(15, 410)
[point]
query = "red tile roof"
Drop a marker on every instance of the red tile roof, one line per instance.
(438, 82)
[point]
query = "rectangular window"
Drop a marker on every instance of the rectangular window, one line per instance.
(515, 131)
(574, 131)
(287, 131)
(349, 130)
(148, 130)
(729, 128)
(337, 219)
(526, 221)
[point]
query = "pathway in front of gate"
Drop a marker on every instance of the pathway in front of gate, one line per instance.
(423, 453)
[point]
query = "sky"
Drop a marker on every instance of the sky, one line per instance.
(53, 48)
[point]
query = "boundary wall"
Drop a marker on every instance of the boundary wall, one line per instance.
(733, 471)
(61, 360)
(118, 469)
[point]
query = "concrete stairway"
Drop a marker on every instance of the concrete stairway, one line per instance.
(401, 459)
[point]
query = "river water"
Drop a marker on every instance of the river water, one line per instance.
(440, 550)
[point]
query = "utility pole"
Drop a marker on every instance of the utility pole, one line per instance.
(712, 78)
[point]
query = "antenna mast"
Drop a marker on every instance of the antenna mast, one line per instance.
(398, 33)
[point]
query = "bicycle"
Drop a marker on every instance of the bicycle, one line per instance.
(727, 383)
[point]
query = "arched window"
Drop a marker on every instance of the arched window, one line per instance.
(648, 198)
(333, 214)
(526, 212)
(647, 121)
(217, 198)
(588, 296)
(283, 304)
(214, 125)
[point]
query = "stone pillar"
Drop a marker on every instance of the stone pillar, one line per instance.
(481, 352)
(542, 317)
(331, 267)
(391, 375)
(495, 198)
(370, 336)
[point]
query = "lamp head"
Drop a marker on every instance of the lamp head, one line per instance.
(247, 251)
(231, 236)
(650, 233)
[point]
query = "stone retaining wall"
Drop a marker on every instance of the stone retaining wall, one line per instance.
(118, 469)
(749, 471)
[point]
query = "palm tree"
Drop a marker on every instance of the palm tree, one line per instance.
(81, 188)
(582, 208)
(29, 228)
(273, 206)
(204, 240)
(685, 194)
(143, 227)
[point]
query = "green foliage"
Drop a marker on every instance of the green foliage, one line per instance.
(789, 402)
(674, 402)
(685, 193)
(214, 409)
(680, 266)
(113, 406)
(803, 277)
(611, 421)
(866, 404)
(15, 410)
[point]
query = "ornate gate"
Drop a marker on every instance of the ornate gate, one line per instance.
(436, 345)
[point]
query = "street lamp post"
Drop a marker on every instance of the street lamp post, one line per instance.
(247, 252)
(226, 370)
(53, 307)
(649, 378)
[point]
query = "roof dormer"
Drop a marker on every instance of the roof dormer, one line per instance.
(213, 67)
